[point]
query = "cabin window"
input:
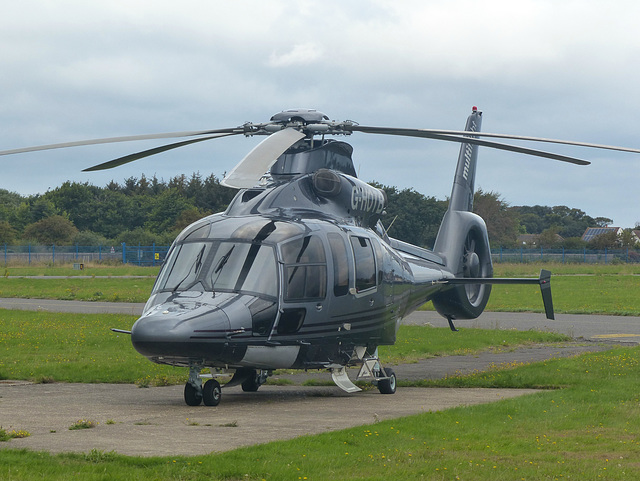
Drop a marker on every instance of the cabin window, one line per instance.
(340, 264)
(305, 269)
(379, 259)
(365, 263)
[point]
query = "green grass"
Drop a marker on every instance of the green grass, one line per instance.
(585, 427)
(603, 294)
(50, 347)
(423, 342)
(532, 269)
(13, 434)
(65, 347)
(588, 430)
(90, 269)
(92, 289)
(577, 288)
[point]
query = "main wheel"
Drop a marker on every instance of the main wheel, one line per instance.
(191, 395)
(252, 383)
(212, 393)
(388, 386)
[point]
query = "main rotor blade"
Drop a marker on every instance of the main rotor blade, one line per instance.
(146, 153)
(129, 138)
(469, 140)
(261, 158)
(424, 133)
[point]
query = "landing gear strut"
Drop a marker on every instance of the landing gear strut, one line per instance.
(193, 391)
(255, 379)
(371, 370)
(211, 392)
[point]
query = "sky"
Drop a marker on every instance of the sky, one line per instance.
(75, 70)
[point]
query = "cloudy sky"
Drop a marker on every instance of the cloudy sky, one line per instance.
(73, 70)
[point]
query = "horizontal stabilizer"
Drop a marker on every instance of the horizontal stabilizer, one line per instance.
(544, 281)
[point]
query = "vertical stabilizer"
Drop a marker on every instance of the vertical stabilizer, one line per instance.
(462, 240)
(463, 182)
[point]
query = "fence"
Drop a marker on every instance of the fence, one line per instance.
(565, 256)
(154, 255)
(38, 254)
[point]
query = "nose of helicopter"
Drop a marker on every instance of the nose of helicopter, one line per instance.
(179, 328)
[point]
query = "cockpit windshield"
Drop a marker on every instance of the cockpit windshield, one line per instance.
(225, 266)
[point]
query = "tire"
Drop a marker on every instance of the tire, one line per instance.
(252, 383)
(388, 386)
(191, 395)
(212, 393)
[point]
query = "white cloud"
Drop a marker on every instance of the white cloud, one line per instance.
(301, 54)
(74, 69)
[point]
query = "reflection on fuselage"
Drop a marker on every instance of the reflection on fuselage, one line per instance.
(232, 287)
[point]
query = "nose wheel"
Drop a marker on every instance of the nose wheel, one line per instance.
(195, 392)
(192, 396)
(211, 393)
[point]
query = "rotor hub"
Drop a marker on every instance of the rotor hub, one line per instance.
(472, 265)
(305, 116)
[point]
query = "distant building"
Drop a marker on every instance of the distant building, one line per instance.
(533, 240)
(529, 240)
(593, 232)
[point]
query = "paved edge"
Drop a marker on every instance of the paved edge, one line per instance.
(156, 422)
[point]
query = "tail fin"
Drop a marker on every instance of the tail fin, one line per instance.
(462, 240)
(463, 182)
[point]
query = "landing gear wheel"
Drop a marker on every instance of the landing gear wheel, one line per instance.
(191, 395)
(212, 393)
(252, 383)
(388, 386)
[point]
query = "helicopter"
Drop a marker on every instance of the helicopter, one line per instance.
(299, 272)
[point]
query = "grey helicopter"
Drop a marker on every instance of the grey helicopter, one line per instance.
(299, 271)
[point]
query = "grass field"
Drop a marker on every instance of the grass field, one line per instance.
(585, 426)
(55, 347)
(577, 288)
(89, 270)
(75, 289)
(588, 429)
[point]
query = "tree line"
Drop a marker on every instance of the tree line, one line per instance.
(150, 210)
(140, 210)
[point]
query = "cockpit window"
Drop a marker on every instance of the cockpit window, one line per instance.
(240, 266)
(305, 269)
(220, 266)
(183, 266)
